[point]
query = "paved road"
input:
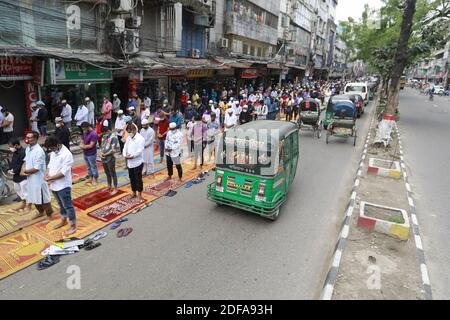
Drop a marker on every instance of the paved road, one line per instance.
(425, 127)
(188, 248)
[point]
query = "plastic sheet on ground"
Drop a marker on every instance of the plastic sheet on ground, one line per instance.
(384, 132)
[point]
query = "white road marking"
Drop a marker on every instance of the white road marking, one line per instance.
(424, 271)
(350, 211)
(411, 202)
(337, 258)
(344, 233)
(408, 187)
(327, 292)
(414, 219)
(418, 242)
(359, 172)
(356, 182)
(353, 195)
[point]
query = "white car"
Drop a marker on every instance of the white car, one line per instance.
(360, 88)
(439, 90)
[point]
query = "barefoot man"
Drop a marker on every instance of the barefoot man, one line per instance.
(59, 176)
(34, 169)
(132, 151)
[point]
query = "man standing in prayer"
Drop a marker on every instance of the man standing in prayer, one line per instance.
(132, 151)
(149, 136)
(173, 143)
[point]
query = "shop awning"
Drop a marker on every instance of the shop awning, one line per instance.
(296, 67)
(273, 66)
(233, 63)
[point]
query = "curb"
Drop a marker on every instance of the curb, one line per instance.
(415, 225)
(330, 281)
(384, 172)
(393, 229)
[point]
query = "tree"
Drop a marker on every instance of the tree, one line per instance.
(401, 55)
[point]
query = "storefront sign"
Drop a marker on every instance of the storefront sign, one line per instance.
(136, 75)
(249, 74)
(67, 72)
(225, 72)
(38, 72)
(164, 72)
(16, 65)
(200, 73)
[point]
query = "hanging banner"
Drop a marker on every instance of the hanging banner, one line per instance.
(31, 96)
(200, 73)
(249, 74)
(38, 72)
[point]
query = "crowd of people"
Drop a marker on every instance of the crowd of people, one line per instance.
(131, 132)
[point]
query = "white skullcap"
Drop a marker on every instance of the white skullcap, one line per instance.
(230, 110)
(131, 108)
(86, 99)
(114, 95)
(172, 125)
(120, 112)
(63, 101)
(105, 123)
(211, 102)
(189, 101)
(58, 119)
(144, 121)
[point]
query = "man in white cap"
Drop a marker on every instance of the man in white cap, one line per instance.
(66, 113)
(132, 151)
(173, 143)
(33, 119)
(82, 115)
(230, 119)
(145, 112)
(119, 127)
(134, 116)
(91, 109)
(149, 136)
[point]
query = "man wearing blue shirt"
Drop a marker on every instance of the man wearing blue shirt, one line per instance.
(176, 117)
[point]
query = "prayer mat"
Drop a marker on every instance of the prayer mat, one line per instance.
(160, 188)
(96, 197)
(116, 208)
(80, 172)
(11, 219)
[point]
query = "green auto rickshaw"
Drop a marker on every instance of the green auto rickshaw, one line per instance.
(255, 166)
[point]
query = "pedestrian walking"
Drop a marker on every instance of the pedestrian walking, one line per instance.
(133, 151)
(108, 148)
(173, 143)
(149, 136)
(211, 133)
(34, 169)
(59, 176)
(91, 111)
(7, 125)
(19, 182)
(89, 146)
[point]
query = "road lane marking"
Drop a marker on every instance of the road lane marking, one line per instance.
(418, 242)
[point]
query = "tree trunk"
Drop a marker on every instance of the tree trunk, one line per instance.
(401, 56)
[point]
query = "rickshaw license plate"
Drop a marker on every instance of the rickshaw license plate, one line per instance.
(259, 199)
(219, 189)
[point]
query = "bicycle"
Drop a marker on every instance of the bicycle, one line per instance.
(5, 163)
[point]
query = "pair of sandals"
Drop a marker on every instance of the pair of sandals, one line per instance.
(48, 262)
(171, 193)
(118, 222)
(124, 232)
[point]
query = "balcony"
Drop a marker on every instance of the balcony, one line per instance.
(249, 28)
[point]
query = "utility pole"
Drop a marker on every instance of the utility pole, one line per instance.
(285, 35)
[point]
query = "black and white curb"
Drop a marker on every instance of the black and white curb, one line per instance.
(413, 213)
(327, 291)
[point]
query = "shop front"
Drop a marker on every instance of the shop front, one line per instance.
(73, 81)
(20, 77)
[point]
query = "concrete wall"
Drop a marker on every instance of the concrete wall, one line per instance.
(250, 29)
(268, 5)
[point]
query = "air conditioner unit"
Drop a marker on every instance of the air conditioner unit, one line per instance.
(117, 25)
(224, 43)
(133, 22)
(122, 5)
(131, 41)
(195, 53)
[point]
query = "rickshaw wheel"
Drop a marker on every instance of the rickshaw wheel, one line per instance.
(275, 215)
(319, 130)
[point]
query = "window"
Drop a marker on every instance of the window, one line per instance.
(245, 49)
(260, 54)
(252, 50)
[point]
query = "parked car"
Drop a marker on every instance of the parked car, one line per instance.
(360, 88)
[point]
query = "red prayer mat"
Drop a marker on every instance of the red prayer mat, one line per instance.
(160, 189)
(116, 208)
(93, 198)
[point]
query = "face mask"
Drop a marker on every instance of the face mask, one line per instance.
(12, 149)
(26, 141)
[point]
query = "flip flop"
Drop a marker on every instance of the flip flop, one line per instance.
(171, 193)
(197, 181)
(189, 184)
(92, 245)
(97, 236)
(48, 262)
(124, 232)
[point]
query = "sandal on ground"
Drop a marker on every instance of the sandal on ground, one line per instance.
(189, 184)
(171, 193)
(92, 245)
(124, 232)
(97, 236)
(48, 262)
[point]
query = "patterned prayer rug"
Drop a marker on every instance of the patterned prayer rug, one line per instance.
(116, 208)
(96, 197)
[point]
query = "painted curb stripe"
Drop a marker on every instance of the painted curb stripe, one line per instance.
(418, 242)
(424, 271)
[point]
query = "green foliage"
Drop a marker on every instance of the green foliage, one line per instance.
(377, 46)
